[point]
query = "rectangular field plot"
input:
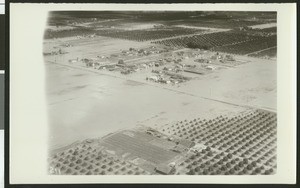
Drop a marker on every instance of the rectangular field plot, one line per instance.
(247, 47)
(149, 34)
(52, 34)
(271, 52)
(240, 145)
(209, 40)
(139, 147)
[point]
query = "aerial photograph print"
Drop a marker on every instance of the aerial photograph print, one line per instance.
(161, 92)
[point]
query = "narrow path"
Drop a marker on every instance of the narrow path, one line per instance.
(261, 50)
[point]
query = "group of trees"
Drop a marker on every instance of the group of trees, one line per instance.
(249, 46)
(249, 136)
(88, 160)
(51, 34)
(269, 53)
(208, 41)
(148, 34)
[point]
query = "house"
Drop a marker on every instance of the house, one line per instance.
(175, 81)
(108, 67)
(125, 71)
(144, 66)
(121, 61)
(73, 60)
(202, 60)
(229, 58)
(166, 81)
(157, 64)
(153, 78)
(210, 67)
(164, 169)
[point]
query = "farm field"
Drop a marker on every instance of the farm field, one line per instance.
(254, 82)
(210, 40)
(226, 140)
(271, 29)
(150, 34)
(240, 145)
(71, 88)
(88, 159)
(191, 93)
(142, 148)
(88, 47)
(251, 46)
(217, 23)
(78, 89)
(269, 53)
(84, 91)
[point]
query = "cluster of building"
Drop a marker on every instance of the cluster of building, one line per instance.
(189, 54)
(223, 58)
(143, 51)
(257, 31)
(86, 36)
(166, 77)
(180, 146)
(67, 45)
(165, 69)
(58, 52)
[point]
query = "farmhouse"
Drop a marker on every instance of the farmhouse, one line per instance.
(73, 60)
(164, 169)
(153, 78)
(211, 67)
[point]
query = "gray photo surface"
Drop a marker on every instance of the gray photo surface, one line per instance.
(161, 92)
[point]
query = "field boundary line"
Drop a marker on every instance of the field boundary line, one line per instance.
(191, 35)
(261, 50)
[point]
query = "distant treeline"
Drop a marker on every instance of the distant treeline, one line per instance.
(50, 34)
(62, 17)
